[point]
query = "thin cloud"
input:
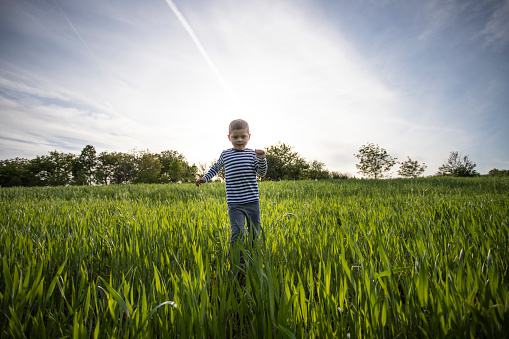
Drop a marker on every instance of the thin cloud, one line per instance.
(37, 111)
(496, 31)
(198, 44)
(79, 36)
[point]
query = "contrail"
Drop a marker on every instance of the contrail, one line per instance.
(198, 44)
(83, 41)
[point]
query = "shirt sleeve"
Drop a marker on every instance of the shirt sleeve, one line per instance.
(262, 167)
(214, 169)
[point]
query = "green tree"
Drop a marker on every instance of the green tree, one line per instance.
(107, 164)
(374, 161)
(190, 173)
(317, 171)
(84, 166)
(339, 175)
(62, 168)
(175, 167)
(284, 164)
(13, 172)
(54, 169)
(498, 173)
(411, 169)
(148, 167)
(39, 169)
(172, 165)
(458, 166)
(125, 169)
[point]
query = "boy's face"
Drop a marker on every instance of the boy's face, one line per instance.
(239, 138)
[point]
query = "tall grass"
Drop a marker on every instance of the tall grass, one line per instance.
(391, 258)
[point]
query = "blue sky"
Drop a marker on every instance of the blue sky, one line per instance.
(418, 78)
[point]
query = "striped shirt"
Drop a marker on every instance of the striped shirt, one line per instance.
(241, 168)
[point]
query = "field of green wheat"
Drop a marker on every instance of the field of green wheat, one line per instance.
(363, 258)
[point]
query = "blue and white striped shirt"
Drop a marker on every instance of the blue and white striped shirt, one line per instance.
(241, 168)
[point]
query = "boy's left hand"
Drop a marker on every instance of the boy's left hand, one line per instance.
(260, 153)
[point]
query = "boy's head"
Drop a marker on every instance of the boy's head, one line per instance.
(238, 134)
(238, 124)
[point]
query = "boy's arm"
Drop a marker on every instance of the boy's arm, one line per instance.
(262, 162)
(212, 172)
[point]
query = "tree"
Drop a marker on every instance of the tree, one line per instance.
(283, 164)
(84, 166)
(411, 169)
(13, 172)
(374, 161)
(175, 167)
(107, 164)
(338, 175)
(498, 173)
(62, 168)
(201, 169)
(54, 169)
(317, 171)
(125, 169)
(148, 167)
(458, 166)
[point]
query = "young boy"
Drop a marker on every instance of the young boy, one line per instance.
(241, 166)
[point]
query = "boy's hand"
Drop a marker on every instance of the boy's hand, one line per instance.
(200, 181)
(260, 153)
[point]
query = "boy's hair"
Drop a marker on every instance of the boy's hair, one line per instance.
(238, 124)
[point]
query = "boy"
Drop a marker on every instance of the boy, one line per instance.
(241, 166)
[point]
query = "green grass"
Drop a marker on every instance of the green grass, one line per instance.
(387, 258)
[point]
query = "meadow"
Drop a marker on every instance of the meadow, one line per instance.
(392, 258)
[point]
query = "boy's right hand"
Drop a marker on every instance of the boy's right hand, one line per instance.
(200, 181)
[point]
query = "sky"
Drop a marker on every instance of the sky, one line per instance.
(420, 79)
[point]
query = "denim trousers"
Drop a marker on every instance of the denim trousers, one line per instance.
(241, 213)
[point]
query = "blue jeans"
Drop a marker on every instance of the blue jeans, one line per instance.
(238, 215)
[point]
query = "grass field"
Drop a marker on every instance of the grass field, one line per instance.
(385, 258)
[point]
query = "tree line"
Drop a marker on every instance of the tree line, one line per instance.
(375, 162)
(105, 168)
(90, 168)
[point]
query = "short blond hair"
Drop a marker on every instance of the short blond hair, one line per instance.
(238, 124)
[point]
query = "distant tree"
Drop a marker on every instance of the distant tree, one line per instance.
(374, 161)
(62, 168)
(38, 170)
(148, 167)
(317, 171)
(338, 175)
(54, 169)
(106, 166)
(125, 170)
(190, 173)
(172, 166)
(175, 167)
(84, 166)
(458, 166)
(13, 172)
(498, 173)
(284, 164)
(411, 169)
